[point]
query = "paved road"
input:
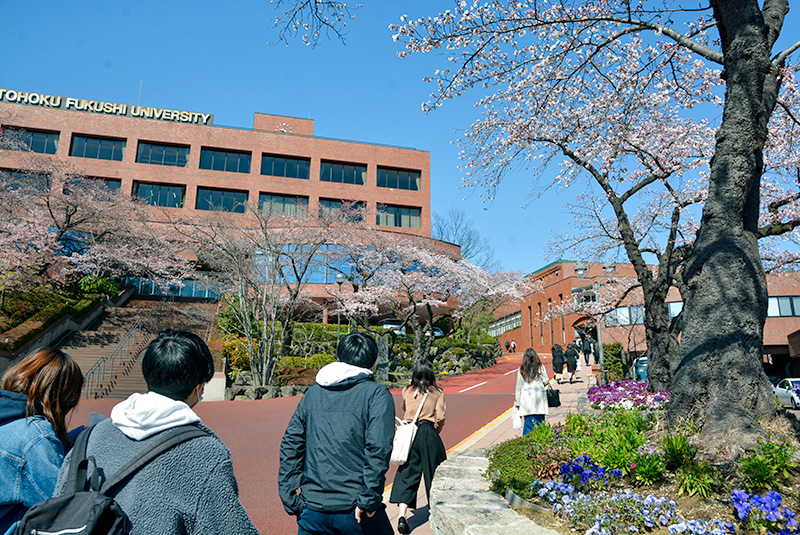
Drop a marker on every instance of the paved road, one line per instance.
(253, 430)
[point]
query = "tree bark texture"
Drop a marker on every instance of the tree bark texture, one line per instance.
(720, 382)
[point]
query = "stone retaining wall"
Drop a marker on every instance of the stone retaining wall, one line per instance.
(462, 504)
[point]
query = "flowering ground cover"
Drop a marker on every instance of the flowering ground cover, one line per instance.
(617, 471)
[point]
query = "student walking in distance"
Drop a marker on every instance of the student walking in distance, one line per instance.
(190, 488)
(558, 362)
(336, 448)
(530, 395)
(36, 396)
(427, 451)
(571, 356)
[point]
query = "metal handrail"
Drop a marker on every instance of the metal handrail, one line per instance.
(103, 369)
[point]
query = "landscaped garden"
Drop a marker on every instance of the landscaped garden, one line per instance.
(617, 470)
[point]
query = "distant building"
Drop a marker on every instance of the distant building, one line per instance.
(537, 322)
(179, 160)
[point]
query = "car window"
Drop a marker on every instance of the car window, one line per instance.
(783, 384)
(795, 384)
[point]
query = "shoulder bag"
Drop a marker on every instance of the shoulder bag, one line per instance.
(404, 435)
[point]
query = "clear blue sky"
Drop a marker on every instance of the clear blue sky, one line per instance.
(217, 58)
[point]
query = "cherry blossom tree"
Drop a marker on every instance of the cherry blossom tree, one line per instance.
(613, 90)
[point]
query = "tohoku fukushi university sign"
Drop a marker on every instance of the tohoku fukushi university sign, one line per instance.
(106, 108)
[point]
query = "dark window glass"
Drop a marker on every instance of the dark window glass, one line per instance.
(285, 166)
(34, 141)
(287, 205)
(357, 209)
(343, 173)
(224, 160)
(158, 154)
(15, 180)
(399, 216)
(398, 178)
(221, 200)
(159, 194)
(97, 148)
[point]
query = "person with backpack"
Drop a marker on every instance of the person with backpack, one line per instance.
(36, 396)
(190, 488)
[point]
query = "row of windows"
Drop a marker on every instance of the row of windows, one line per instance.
(504, 324)
(783, 306)
(213, 159)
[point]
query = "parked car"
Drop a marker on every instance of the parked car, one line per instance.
(788, 392)
(437, 332)
(640, 369)
(393, 324)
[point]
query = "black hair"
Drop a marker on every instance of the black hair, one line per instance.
(423, 378)
(175, 363)
(357, 349)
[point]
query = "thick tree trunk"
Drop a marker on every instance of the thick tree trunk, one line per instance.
(660, 346)
(720, 383)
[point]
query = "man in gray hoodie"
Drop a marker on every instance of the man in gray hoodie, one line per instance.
(336, 449)
(191, 487)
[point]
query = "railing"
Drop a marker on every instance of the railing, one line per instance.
(101, 377)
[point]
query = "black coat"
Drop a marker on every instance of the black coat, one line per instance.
(558, 359)
(571, 356)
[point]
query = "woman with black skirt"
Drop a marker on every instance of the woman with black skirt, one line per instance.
(427, 450)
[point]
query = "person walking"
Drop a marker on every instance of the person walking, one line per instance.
(513, 346)
(427, 450)
(336, 448)
(36, 396)
(508, 347)
(189, 488)
(530, 395)
(571, 356)
(586, 347)
(558, 362)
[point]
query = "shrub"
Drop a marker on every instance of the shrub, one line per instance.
(697, 479)
(315, 361)
(93, 284)
(771, 460)
(648, 465)
(510, 467)
(235, 352)
(465, 368)
(677, 451)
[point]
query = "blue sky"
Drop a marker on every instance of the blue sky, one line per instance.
(218, 58)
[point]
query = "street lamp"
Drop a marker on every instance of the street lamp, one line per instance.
(339, 281)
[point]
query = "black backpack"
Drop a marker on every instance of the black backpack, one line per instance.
(83, 511)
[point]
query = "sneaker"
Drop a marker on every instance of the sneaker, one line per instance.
(402, 525)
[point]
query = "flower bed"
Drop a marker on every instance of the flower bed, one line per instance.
(613, 472)
(627, 395)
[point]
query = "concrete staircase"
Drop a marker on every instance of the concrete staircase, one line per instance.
(112, 333)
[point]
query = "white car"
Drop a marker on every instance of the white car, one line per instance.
(788, 392)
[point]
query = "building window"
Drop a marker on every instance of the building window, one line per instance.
(399, 216)
(225, 160)
(355, 210)
(625, 316)
(159, 194)
(286, 205)
(11, 180)
(220, 200)
(783, 306)
(32, 140)
(158, 154)
(97, 148)
(344, 173)
(110, 185)
(285, 166)
(504, 324)
(398, 178)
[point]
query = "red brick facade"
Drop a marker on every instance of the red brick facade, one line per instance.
(274, 135)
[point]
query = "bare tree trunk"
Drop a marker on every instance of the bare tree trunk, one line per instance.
(720, 381)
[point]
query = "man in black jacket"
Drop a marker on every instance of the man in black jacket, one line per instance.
(336, 449)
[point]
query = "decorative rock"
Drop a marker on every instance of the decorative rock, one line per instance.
(243, 379)
(287, 391)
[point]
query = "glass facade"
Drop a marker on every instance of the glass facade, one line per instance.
(97, 148)
(345, 173)
(398, 179)
(223, 160)
(159, 194)
(32, 140)
(287, 205)
(219, 200)
(160, 154)
(285, 166)
(783, 306)
(398, 216)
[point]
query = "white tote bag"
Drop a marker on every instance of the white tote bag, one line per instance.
(404, 435)
(516, 418)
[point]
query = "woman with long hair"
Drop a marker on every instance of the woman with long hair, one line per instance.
(530, 395)
(35, 397)
(427, 450)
